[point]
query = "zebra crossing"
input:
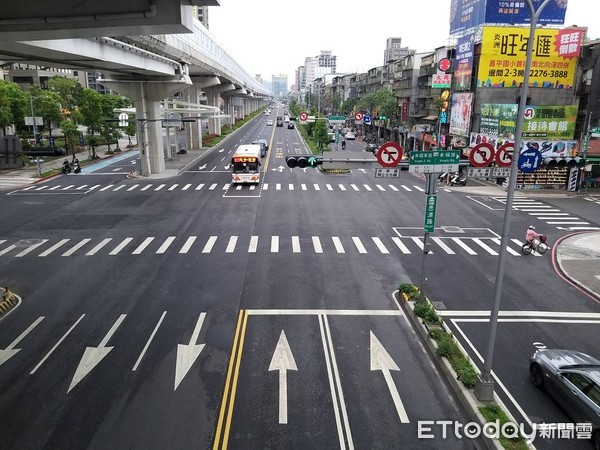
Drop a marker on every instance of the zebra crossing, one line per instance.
(549, 214)
(595, 200)
(219, 187)
(215, 244)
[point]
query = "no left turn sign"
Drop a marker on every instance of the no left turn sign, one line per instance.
(482, 154)
(389, 154)
(358, 116)
(303, 116)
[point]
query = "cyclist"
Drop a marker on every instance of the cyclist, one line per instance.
(531, 234)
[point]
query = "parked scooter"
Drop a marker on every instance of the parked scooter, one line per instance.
(458, 178)
(66, 167)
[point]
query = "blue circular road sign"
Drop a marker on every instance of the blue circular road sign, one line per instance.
(530, 161)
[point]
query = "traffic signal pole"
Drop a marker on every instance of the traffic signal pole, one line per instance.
(431, 181)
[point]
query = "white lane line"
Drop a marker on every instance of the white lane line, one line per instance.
(380, 245)
(464, 246)
(274, 244)
(31, 248)
(338, 244)
(231, 245)
(252, 247)
(188, 244)
(54, 247)
(139, 360)
(76, 247)
(295, 244)
(568, 223)
(359, 245)
(317, 244)
(508, 249)
(484, 246)
(143, 246)
(209, 244)
(325, 312)
(443, 245)
(163, 248)
(121, 246)
(43, 360)
(403, 248)
(98, 247)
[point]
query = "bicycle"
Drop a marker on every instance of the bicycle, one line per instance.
(538, 244)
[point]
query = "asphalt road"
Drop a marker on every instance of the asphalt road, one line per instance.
(173, 313)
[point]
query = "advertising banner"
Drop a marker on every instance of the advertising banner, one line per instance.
(441, 80)
(460, 116)
(550, 122)
(516, 13)
(553, 64)
(465, 14)
(561, 148)
(499, 120)
(464, 62)
(405, 109)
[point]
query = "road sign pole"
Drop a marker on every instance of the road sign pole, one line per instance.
(431, 181)
(484, 388)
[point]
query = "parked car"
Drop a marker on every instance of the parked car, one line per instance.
(269, 123)
(291, 125)
(350, 136)
(572, 379)
(372, 147)
(46, 151)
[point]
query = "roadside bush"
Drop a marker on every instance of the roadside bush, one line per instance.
(409, 289)
(425, 311)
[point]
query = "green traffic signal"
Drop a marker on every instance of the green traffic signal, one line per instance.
(302, 161)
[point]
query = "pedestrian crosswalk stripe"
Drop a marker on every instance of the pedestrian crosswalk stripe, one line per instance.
(41, 188)
(238, 187)
(69, 187)
(403, 248)
(163, 248)
(317, 188)
(265, 186)
(380, 187)
(186, 187)
(143, 245)
(159, 187)
(30, 249)
(295, 244)
(96, 186)
(291, 187)
(173, 187)
(98, 247)
(212, 186)
(393, 188)
(329, 187)
(274, 244)
(359, 245)
(118, 188)
(188, 244)
(406, 188)
(253, 244)
(303, 186)
(367, 187)
(145, 188)
(442, 245)
(418, 188)
(200, 186)
(133, 187)
(465, 247)
(355, 187)
(72, 250)
(508, 249)
(209, 244)
(231, 245)
(121, 246)
(485, 246)
(380, 246)
(8, 249)
(317, 244)
(58, 186)
(83, 186)
(252, 187)
(277, 186)
(107, 187)
(420, 244)
(338, 244)
(54, 247)
(342, 187)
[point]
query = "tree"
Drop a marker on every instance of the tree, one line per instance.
(90, 110)
(93, 142)
(320, 135)
(47, 105)
(12, 104)
(69, 91)
(71, 134)
(348, 106)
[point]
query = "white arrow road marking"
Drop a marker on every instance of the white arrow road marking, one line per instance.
(381, 360)
(203, 166)
(93, 355)
(221, 150)
(188, 353)
(117, 169)
(11, 351)
(283, 360)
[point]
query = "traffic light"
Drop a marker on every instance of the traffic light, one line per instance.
(381, 117)
(302, 161)
(554, 162)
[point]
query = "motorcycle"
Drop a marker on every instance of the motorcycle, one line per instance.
(66, 167)
(460, 179)
(76, 167)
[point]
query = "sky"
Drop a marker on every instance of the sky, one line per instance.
(272, 37)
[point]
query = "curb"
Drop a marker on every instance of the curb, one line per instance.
(464, 396)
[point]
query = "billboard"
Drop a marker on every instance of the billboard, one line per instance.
(465, 14)
(548, 149)
(460, 116)
(517, 13)
(553, 64)
(464, 62)
(499, 120)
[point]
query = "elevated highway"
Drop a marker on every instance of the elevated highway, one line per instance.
(147, 68)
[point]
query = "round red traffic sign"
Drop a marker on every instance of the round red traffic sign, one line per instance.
(358, 116)
(503, 154)
(482, 154)
(444, 64)
(303, 116)
(389, 154)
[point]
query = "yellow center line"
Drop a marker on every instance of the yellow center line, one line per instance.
(266, 166)
(242, 317)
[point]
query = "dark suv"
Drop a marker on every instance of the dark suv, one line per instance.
(279, 121)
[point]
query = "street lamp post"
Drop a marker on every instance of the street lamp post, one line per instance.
(484, 388)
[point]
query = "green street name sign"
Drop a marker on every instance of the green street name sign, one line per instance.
(430, 206)
(433, 161)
